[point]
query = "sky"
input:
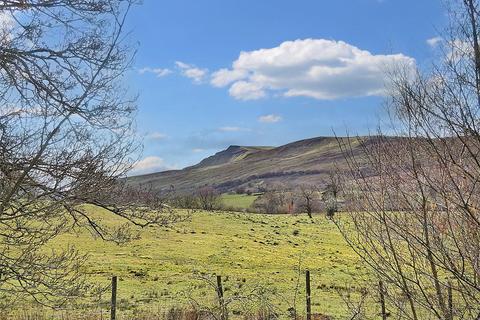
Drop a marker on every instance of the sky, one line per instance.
(215, 73)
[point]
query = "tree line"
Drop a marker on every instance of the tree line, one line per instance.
(276, 199)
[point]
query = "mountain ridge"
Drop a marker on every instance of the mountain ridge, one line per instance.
(306, 161)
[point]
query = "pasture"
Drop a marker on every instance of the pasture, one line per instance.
(161, 269)
(239, 202)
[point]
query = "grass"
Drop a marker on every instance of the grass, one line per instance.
(248, 250)
(238, 201)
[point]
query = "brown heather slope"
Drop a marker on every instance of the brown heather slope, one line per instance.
(302, 162)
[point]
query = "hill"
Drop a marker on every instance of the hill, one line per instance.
(306, 161)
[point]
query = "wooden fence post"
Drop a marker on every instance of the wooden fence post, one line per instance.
(113, 306)
(381, 290)
(450, 301)
(308, 294)
(221, 301)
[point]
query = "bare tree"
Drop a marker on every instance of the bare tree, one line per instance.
(66, 136)
(208, 198)
(185, 201)
(416, 199)
(334, 184)
(273, 201)
(308, 196)
(330, 194)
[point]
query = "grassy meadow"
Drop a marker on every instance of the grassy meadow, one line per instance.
(239, 202)
(161, 268)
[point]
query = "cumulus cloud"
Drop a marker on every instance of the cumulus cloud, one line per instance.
(149, 165)
(245, 90)
(270, 118)
(192, 72)
(156, 136)
(224, 77)
(434, 42)
(159, 72)
(317, 68)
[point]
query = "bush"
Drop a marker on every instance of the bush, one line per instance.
(240, 190)
(186, 201)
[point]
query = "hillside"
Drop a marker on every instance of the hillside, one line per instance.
(302, 162)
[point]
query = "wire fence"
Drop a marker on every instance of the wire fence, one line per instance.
(217, 301)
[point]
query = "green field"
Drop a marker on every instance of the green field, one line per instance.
(248, 250)
(238, 201)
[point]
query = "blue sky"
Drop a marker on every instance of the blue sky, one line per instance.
(320, 71)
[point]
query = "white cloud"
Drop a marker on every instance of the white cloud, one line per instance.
(270, 118)
(156, 136)
(149, 165)
(224, 77)
(459, 50)
(10, 109)
(434, 42)
(244, 90)
(6, 20)
(232, 129)
(192, 72)
(159, 72)
(197, 150)
(317, 68)
(7, 24)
